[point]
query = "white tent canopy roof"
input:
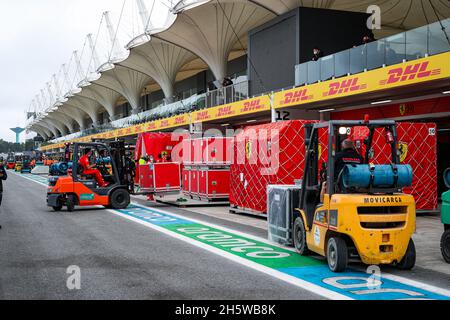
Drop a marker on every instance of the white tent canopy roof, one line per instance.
(160, 61)
(201, 34)
(212, 30)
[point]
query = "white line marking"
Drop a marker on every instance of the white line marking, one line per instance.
(389, 276)
(250, 264)
(258, 267)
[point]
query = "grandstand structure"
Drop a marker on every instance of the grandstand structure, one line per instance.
(170, 75)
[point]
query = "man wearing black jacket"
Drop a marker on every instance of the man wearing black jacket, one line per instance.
(3, 176)
(348, 155)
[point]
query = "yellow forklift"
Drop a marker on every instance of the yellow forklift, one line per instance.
(361, 212)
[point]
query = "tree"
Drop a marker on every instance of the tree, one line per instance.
(6, 147)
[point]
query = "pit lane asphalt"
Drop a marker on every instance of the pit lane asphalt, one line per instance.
(119, 259)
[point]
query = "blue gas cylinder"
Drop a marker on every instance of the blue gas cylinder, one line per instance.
(59, 168)
(447, 177)
(359, 176)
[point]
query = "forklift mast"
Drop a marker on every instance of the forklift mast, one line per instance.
(123, 163)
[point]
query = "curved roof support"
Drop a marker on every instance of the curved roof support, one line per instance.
(78, 115)
(42, 131)
(212, 30)
(64, 119)
(91, 107)
(52, 127)
(129, 83)
(46, 130)
(63, 129)
(159, 60)
(102, 95)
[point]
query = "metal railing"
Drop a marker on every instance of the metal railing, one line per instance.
(411, 45)
(230, 94)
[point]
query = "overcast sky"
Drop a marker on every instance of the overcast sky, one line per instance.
(36, 38)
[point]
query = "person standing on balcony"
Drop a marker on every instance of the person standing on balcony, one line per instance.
(317, 54)
(227, 82)
(368, 39)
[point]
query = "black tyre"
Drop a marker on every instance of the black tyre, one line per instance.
(57, 208)
(119, 199)
(70, 203)
(445, 245)
(300, 237)
(409, 260)
(337, 254)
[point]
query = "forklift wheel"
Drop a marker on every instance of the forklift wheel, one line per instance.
(337, 254)
(409, 260)
(119, 199)
(70, 203)
(445, 245)
(300, 237)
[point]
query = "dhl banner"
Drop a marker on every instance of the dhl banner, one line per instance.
(414, 72)
(234, 109)
(248, 106)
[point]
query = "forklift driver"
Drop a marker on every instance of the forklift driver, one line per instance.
(89, 169)
(348, 155)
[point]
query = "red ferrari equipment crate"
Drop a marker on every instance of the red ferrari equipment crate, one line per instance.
(160, 177)
(214, 183)
(186, 180)
(188, 155)
(198, 147)
(194, 181)
(218, 151)
(268, 154)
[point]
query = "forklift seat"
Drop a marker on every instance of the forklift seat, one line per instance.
(90, 183)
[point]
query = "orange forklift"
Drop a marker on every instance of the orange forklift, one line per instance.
(74, 188)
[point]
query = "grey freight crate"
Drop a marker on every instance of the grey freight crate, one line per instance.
(281, 202)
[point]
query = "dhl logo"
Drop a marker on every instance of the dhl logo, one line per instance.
(252, 106)
(180, 120)
(203, 115)
(138, 129)
(296, 96)
(344, 86)
(120, 132)
(164, 123)
(408, 73)
(225, 111)
(151, 126)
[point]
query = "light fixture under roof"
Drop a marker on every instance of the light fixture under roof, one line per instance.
(326, 110)
(381, 102)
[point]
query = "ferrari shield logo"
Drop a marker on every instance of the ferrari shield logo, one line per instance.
(402, 109)
(403, 150)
